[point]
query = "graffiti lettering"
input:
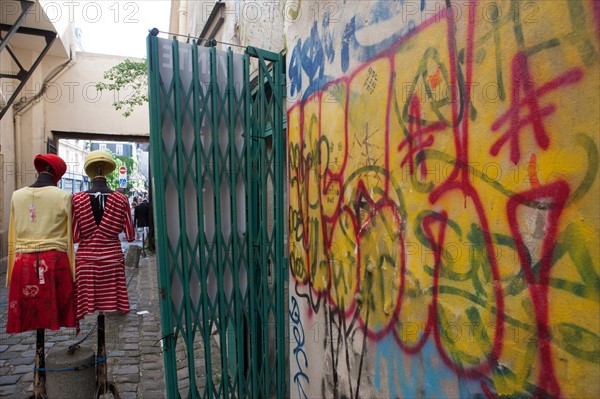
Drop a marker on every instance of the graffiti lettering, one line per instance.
(447, 221)
(300, 377)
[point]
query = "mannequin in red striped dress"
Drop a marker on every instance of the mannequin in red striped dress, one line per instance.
(99, 216)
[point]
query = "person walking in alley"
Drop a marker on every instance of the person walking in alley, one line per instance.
(142, 219)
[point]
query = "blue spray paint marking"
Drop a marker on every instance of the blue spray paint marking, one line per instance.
(309, 56)
(315, 86)
(295, 69)
(300, 377)
(312, 55)
(328, 44)
(470, 389)
(347, 37)
(364, 53)
(388, 350)
(421, 379)
(434, 376)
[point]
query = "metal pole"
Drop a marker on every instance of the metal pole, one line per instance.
(103, 386)
(39, 374)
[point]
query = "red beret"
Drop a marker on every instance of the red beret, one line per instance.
(59, 167)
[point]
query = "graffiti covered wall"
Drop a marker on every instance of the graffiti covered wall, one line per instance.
(443, 198)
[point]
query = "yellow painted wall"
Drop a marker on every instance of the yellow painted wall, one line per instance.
(443, 203)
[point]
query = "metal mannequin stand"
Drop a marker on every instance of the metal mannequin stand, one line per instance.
(39, 374)
(103, 386)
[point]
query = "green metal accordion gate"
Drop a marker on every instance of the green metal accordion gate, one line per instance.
(217, 161)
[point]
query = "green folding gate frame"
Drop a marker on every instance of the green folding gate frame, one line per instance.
(217, 160)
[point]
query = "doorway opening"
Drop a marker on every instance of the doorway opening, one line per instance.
(131, 155)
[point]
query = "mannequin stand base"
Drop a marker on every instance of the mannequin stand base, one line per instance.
(38, 395)
(107, 387)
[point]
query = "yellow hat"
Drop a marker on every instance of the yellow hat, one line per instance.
(99, 163)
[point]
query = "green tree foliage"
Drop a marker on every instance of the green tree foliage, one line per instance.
(132, 168)
(129, 79)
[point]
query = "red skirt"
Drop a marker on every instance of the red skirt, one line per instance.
(41, 292)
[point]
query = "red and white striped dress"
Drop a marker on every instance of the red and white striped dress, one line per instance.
(99, 261)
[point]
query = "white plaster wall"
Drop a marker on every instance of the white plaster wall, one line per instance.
(261, 24)
(73, 104)
(7, 149)
(15, 170)
(247, 23)
(27, 116)
(7, 179)
(61, 15)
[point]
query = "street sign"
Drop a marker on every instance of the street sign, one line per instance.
(123, 170)
(122, 182)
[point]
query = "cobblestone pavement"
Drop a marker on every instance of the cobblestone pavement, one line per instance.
(135, 362)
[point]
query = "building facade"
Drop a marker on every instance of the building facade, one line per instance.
(118, 149)
(74, 153)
